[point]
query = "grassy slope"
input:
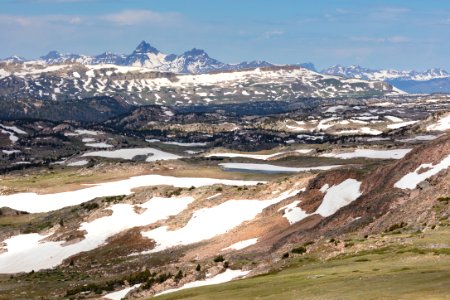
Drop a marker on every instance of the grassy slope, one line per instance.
(412, 271)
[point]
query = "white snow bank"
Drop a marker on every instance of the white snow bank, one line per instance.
(12, 137)
(86, 132)
(257, 156)
(411, 180)
(34, 203)
(226, 276)
(120, 294)
(419, 138)
(393, 119)
(271, 168)
(400, 125)
(369, 153)
(339, 196)
(99, 145)
(79, 163)
(441, 125)
(209, 222)
(293, 213)
(241, 245)
(13, 128)
(9, 152)
(186, 144)
(27, 252)
(363, 130)
(128, 154)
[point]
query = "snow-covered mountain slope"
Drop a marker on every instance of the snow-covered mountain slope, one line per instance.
(139, 85)
(430, 81)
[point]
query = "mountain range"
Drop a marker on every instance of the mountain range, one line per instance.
(430, 81)
(194, 61)
(197, 61)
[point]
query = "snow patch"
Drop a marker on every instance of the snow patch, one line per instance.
(370, 153)
(226, 276)
(241, 245)
(339, 196)
(129, 154)
(411, 180)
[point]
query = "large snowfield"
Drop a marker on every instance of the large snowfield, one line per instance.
(34, 203)
(207, 223)
(23, 250)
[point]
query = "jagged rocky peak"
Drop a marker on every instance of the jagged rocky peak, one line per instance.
(196, 52)
(51, 55)
(145, 47)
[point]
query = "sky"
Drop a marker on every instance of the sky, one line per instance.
(400, 34)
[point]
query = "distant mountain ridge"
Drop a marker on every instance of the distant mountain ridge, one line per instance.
(430, 81)
(194, 61)
(373, 74)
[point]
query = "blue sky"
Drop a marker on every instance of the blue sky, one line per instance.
(412, 34)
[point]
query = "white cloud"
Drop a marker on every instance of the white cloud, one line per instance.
(122, 18)
(25, 21)
(273, 33)
(396, 39)
(136, 17)
(15, 20)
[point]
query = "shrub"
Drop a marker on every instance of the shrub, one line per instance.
(90, 206)
(163, 277)
(299, 250)
(226, 264)
(219, 259)
(179, 276)
(396, 226)
(198, 268)
(285, 255)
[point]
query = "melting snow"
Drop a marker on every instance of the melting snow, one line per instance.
(99, 145)
(411, 180)
(339, 196)
(12, 137)
(241, 245)
(14, 129)
(270, 168)
(186, 144)
(293, 213)
(369, 153)
(209, 222)
(400, 125)
(120, 294)
(133, 152)
(9, 152)
(86, 132)
(78, 163)
(257, 156)
(23, 250)
(226, 276)
(442, 125)
(34, 203)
